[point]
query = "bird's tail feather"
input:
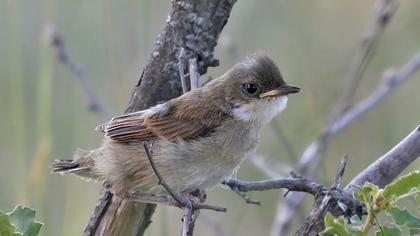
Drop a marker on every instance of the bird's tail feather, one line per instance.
(81, 165)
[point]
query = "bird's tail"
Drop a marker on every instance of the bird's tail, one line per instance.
(81, 165)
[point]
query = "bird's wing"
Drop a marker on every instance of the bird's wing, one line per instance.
(171, 124)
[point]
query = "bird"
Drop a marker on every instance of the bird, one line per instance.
(197, 140)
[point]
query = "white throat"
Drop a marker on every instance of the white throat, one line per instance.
(262, 111)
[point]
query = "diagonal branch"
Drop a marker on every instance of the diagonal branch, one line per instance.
(383, 12)
(382, 172)
(77, 70)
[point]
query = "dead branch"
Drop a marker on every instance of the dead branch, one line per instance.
(386, 168)
(325, 198)
(382, 172)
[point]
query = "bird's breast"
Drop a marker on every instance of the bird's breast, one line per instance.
(205, 162)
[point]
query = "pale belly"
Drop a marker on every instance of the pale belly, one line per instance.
(184, 165)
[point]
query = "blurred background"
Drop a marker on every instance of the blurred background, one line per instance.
(44, 115)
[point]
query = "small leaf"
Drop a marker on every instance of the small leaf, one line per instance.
(358, 196)
(24, 220)
(385, 231)
(331, 227)
(402, 185)
(356, 223)
(369, 190)
(355, 220)
(403, 217)
(7, 228)
(338, 227)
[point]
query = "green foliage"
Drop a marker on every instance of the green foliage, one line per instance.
(338, 226)
(403, 185)
(378, 201)
(20, 222)
(403, 217)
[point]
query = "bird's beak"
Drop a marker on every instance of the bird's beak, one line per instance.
(281, 91)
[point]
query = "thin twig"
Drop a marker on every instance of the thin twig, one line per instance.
(318, 211)
(162, 182)
(299, 184)
(340, 173)
(247, 199)
(77, 69)
(180, 200)
(181, 69)
(383, 12)
(194, 75)
(391, 80)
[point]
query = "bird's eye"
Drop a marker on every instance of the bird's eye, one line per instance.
(251, 88)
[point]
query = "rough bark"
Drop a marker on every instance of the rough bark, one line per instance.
(194, 26)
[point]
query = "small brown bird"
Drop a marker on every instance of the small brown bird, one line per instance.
(198, 138)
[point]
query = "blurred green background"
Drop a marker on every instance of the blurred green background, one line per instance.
(44, 115)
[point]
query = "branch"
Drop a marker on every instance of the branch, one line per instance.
(391, 80)
(181, 69)
(325, 198)
(384, 170)
(310, 158)
(77, 70)
(384, 11)
(299, 184)
(162, 182)
(198, 24)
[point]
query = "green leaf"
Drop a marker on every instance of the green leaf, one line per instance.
(403, 217)
(24, 220)
(338, 227)
(356, 223)
(402, 185)
(7, 228)
(358, 195)
(355, 220)
(369, 189)
(385, 231)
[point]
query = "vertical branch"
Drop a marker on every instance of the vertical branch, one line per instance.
(181, 68)
(194, 75)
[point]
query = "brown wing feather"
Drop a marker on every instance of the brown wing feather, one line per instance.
(171, 125)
